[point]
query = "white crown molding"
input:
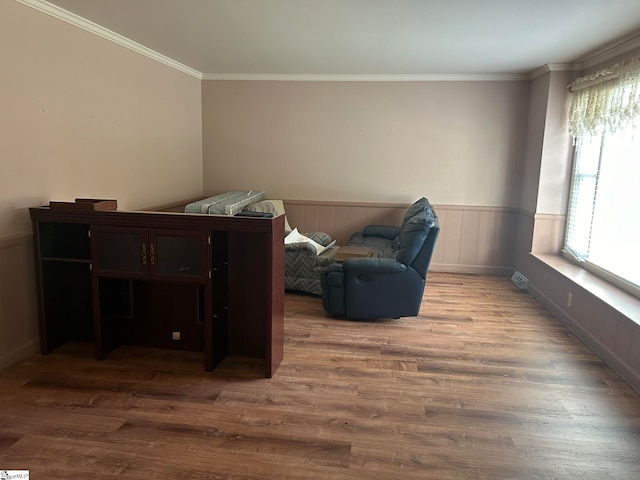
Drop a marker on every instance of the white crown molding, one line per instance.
(553, 67)
(597, 57)
(73, 19)
(610, 50)
(472, 77)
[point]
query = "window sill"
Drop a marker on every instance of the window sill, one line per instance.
(615, 297)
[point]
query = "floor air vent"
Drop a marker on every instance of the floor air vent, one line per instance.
(520, 280)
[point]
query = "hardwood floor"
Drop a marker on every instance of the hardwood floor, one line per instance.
(484, 384)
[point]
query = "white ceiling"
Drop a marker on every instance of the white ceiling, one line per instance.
(366, 37)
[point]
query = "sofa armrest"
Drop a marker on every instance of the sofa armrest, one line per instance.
(302, 248)
(385, 231)
(327, 258)
(322, 238)
(306, 252)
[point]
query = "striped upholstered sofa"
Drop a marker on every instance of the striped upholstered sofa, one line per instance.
(304, 266)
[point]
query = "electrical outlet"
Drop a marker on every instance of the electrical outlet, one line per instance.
(569, 299)
(175, 336)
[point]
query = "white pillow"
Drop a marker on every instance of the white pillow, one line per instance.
(297, 237)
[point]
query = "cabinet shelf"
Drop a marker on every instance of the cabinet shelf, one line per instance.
(66, 259)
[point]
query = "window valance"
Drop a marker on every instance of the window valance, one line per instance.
(606, 101)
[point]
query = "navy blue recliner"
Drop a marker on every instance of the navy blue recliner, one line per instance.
(391, 284)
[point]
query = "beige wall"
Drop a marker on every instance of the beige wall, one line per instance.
(557, 151)
(458, 143)
(547, 169)
(335, 150)
(535, 135)
(81, 117)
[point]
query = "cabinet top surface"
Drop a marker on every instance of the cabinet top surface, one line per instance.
(160, 220)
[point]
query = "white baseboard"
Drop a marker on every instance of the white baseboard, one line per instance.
(474, 269)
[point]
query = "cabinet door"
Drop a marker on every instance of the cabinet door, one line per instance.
(179, 255)
(120, 251)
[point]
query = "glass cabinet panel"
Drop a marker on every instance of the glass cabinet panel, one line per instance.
(179, 254)
(120, 251)
(151, 253)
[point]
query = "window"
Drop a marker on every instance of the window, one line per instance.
(603, 222)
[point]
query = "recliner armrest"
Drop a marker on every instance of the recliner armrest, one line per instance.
(384, 231)
(370, 265)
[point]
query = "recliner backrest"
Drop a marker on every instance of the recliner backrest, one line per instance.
(412, 236)
(419, 206)
(414, 246)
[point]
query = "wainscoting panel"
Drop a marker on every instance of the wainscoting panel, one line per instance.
(340, 220)
(18, 308)
(476, 239)
(472, 239)
(548, 233)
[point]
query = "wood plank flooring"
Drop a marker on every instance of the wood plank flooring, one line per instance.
(484, 384)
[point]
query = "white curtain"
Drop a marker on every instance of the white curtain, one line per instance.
(607, 101)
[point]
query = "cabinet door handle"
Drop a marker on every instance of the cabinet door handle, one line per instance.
(152, 253)
(144, 253)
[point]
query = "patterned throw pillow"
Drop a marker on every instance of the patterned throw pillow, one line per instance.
(269, 206)
(297, 237)
(263, 207)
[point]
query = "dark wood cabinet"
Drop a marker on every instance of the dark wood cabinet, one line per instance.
(151, 253)
(195, 282)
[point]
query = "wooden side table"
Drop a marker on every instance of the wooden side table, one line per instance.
(350, 251)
